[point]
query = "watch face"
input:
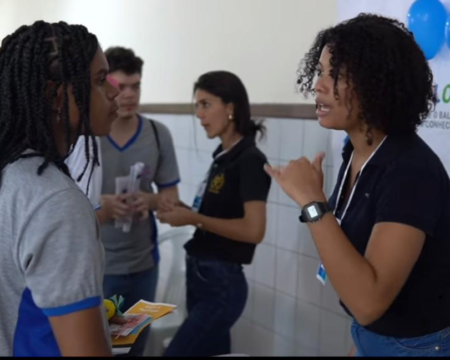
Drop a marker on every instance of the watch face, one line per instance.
(312, 212)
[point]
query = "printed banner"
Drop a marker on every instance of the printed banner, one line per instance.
(433, 35)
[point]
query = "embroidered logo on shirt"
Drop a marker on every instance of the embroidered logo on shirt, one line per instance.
(217, 184)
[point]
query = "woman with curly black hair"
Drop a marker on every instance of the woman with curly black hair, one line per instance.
(384, 235)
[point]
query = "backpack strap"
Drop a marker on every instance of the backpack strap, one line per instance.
(158, 144)
(155, 131)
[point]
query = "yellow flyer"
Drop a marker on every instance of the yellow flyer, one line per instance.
(154, 310)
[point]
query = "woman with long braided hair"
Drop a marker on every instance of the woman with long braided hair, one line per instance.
(53, 89)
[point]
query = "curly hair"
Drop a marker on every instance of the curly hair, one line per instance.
(384, 67)
(122, 59)
(34, 62)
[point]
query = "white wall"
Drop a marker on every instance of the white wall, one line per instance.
(261, 40)
(288, 311)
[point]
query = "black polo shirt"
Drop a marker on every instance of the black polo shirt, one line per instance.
(234, 178)
(405, 182)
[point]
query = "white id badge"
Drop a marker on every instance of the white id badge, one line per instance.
(322, 274)
(199, 196)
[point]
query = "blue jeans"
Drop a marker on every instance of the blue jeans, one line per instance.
(216, 296)
(133, 287)
(370, 344)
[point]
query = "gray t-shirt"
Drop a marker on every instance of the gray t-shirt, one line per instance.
(135, 251)
(51, 257)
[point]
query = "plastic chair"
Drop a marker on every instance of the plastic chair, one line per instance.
(171, 288)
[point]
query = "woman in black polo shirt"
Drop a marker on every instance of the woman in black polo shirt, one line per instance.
(230, 214)
(386, 248)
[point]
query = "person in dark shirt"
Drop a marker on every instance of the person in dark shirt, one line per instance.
(384, 235)
(229, 212)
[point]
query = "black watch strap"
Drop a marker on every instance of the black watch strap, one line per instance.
(322, 207)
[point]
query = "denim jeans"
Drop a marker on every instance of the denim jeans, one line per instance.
(370, 344)
(133, 287)
(216, 296)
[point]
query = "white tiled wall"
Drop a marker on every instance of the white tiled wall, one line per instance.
(288, 313)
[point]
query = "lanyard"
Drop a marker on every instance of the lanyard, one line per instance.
(219, 155)
(227, 150)
(202, 187)
(356, 182)
(321, 272)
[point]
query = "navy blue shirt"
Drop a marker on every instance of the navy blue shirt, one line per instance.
(405, 182)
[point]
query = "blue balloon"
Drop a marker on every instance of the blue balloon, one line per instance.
(447, 31)
(427, 20)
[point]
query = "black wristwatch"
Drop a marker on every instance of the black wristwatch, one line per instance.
(314, 211)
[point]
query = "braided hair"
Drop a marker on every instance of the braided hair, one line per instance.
(35, 61)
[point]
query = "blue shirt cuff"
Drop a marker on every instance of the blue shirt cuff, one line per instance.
(173, 183)
(85, 304)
